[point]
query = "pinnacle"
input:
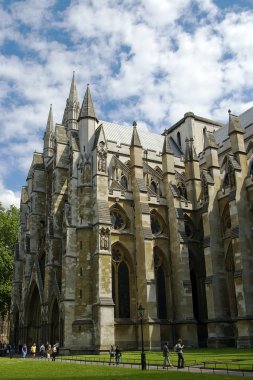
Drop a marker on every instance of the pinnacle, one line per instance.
(73, 96)
(166, 145)
(50, 122)
(87, 109)
(135, 141)
(234, 124)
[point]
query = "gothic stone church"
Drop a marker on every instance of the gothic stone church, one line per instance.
(113, 217)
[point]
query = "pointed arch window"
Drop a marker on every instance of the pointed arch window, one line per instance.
(226, 222)
(153, 187)
(118, 218)
(188, 226)
(230, 269)
(160, 286)
(156, 223)
(251, 169)
(120, 284)
(123, 181)
(182, 190)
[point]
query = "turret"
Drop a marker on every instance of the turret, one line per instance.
(72, 108)
(87, 122)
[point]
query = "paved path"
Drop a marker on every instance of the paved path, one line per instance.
(192, 369)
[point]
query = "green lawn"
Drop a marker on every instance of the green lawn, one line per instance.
(35, 369)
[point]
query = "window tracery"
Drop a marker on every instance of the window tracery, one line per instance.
(120, 283)
(156, 222)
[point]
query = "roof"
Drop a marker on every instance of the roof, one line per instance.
(246, 119)
(122, 134)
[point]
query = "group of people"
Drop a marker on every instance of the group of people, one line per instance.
(45, 350)
(178, 348)
(114, 355)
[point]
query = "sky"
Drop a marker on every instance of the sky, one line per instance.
(145, 60)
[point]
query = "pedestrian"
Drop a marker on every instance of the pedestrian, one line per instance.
(112, 355)
(117, 355)
(24, 350)
(33, 350)
(179, 350)
(166, 353)
(54, 353)
(42, 350)
(49, 351)
(57, 345)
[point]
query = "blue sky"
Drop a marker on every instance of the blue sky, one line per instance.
(145, 60)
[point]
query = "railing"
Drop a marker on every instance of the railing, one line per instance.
(228, 366)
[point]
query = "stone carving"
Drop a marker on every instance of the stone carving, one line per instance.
(104, 238)
(85, 169)
(67, 214)
(102, 157)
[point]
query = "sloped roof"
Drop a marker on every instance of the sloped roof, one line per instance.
(122, 134)
(246, 119)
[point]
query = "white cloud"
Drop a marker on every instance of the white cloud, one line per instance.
(8, 197)
(154, 60)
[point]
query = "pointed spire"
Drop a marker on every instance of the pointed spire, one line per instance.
(87, 109)
(209, 140)
(50, 121)
(73, 96)
(135, 141)
(166, 145)
(234, 124)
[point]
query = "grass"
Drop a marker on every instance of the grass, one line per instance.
(35, 369)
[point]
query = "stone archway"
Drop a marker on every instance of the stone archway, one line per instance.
(33, 317)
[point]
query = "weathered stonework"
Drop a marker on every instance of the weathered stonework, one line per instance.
(113, 217)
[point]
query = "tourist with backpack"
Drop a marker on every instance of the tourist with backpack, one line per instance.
(178, 348)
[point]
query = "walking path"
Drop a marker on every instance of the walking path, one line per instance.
(192, 369)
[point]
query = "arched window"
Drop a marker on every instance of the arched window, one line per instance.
(226, 222)
(230, 269)
(153, 187)
(182, 190)
(251, 169)
(120, 284)
(123, 181)
(161, 294)
(118, 218)
(156, 223)
(188, 226)
(160, 286)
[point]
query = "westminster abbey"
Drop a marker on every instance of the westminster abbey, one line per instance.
(113, 217)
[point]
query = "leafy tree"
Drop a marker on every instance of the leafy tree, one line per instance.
(9, 224)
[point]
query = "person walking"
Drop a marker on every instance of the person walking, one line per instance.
(24, 350)
(33, 350)
(166, 353)
(42, 350)
(117, 355)
(54, 353)
(179, 349)
(49, 351)
(112, 355)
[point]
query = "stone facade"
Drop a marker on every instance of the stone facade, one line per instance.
(113, 217)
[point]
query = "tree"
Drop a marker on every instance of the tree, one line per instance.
(9, 225)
